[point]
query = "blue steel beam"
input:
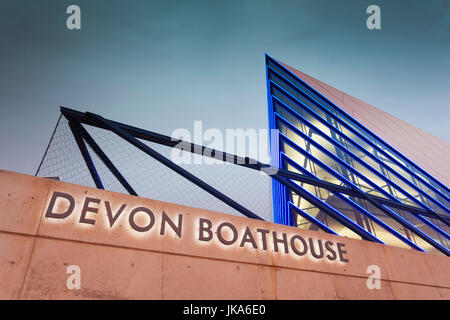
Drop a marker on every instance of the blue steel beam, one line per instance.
(349, 183)
(301, 118)
(310, 218)
(342, 163)
(328, 210)
(359, 208)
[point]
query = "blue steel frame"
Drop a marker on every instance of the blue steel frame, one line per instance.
(311, 218)
(376, 187)
(357, 145)
(357, 123)
(355, 205)
(283, 206)
(386, 210)
(306, 108)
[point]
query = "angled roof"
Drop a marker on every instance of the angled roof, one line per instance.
(429, 152)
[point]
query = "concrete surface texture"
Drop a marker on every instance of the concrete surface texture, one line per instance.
(127, 247)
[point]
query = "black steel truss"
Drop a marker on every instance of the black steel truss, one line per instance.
(132, 134)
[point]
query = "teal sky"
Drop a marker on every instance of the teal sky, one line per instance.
(161, 65)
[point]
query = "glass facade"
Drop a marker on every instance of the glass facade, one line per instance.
(394, 201)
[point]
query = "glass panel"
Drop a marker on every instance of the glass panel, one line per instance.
(439, 224)
(387, 168)
(301, 221)
(388, 237)
(318, 214)
(352, 212)
(425, 229)
(321, 172)
(370, 178)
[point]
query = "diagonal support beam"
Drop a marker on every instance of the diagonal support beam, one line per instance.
(84, 152)
(168, 163)
(91, 142)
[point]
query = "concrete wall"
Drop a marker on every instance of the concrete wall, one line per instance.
(118, 262)
(427, 151)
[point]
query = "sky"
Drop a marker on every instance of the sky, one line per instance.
(161, 65)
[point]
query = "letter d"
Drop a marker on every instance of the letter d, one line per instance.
(51, 214)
